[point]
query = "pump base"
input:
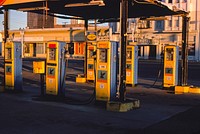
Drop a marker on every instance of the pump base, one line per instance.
(181, 89)
(90, 81)
(81, 78)
(117, 106)
(1, 89)
(195, 90)
(131, 85)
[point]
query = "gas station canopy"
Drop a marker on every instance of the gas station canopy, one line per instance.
(92, 9)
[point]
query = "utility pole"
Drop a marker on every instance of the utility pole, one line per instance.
(184, 66)
(123, 44)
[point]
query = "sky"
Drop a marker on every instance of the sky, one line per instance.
(18, 19)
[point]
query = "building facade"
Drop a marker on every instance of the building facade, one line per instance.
(152, 35)
(34, 41)
(174, 23)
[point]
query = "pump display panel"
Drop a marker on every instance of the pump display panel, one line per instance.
(169, 54)
(103, 55)
(8, 54)
(128, 54)
(52, 54)
(91, 53)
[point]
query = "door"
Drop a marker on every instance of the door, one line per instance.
(152, 52)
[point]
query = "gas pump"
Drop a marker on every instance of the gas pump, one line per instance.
(55, 68)
(131, 65)
(171, 54)
(90, 61)
(106, 71)
(13, 66)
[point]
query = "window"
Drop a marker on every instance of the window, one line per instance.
(191, 49)
(177, 23)
(169, 23)
(26, 48)
(170, 1)
(144, 24)
(40, 48)
(159, 25)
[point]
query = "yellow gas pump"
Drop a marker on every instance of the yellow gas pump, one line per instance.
(171, 54)
(13, 66)
(131, 65)
(55, 68)
(106, 71)
(90, 61)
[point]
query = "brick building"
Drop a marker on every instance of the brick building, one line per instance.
(36, 21)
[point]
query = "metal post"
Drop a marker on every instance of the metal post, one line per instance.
(85, 58)
(22, 41)
(184, 67)
(5, 37)
(5, 25)
(42, 84)
(95, 25)
(123, 43)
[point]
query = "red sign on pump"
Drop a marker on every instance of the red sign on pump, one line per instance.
(52, 45)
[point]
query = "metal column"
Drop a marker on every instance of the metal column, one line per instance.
(85, 58)
(5, 36)
(5, 25)
(184, 66)
(123, 44)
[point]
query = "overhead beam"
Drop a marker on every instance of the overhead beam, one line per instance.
(154, 18)
(91, 3)
(32, 9)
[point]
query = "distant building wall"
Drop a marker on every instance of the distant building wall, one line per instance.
(35, 21)
(35, 40)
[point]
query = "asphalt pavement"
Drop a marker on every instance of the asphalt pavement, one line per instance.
(161, 111)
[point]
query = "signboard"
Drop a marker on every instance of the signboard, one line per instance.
(29, 39)
(103, 35)
(100, 35)
(91, 36)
